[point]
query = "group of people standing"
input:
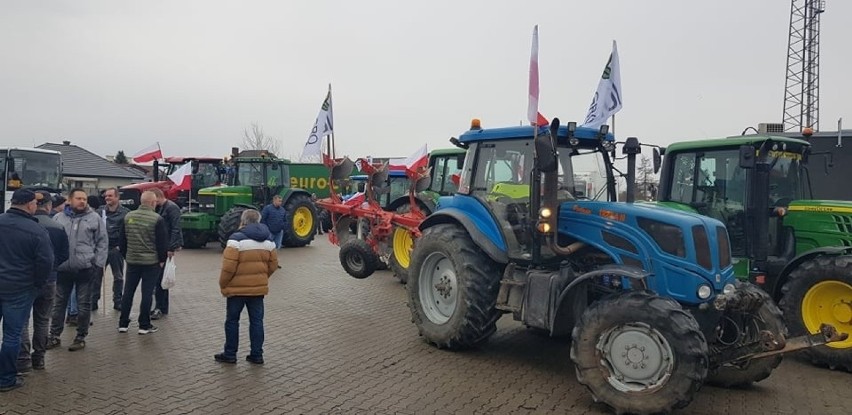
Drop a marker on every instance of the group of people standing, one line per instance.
(47, 252)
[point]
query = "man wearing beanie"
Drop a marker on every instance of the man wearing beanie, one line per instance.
(87, 251)
(32, 353)
(26, 259)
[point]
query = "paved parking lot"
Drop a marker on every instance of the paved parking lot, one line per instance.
(344, 346)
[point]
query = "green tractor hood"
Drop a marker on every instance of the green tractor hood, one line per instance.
(820, 223)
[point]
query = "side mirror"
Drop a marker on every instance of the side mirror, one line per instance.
(658, 160)
(747, 159)
(545, 152)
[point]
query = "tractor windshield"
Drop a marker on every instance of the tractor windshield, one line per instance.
(204, 174)
(250, 174)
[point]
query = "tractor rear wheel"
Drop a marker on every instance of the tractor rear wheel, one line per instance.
(452, 288)
(402, 242)
(768, 318)
(820, 291)
(640, 353)
(301, 221)
(229, 223)
(358, 259)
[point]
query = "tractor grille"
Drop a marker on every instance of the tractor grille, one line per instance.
(207, 203)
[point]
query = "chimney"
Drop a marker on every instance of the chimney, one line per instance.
(66, 143)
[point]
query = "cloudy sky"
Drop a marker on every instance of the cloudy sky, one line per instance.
(192, 75)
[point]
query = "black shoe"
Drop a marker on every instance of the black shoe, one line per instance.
(38, 363)
(24, 367)
(53, 342)
(156, 314)
(255, 360)
(221, 358)
(18, 383)
(79, 344)
(152, 329)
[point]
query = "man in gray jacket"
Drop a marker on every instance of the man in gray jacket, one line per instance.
(87, 250)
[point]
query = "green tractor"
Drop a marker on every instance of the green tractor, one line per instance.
(797, 249)
(254, 181)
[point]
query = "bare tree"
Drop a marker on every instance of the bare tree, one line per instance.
(255, 139)
(646, 182)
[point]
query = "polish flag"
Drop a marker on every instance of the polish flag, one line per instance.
(533, 115)
(147, 154)
(182, 177)
(412, 162)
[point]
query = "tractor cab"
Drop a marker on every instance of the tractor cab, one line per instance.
(264, 176)
(499, 172)
(718, 178)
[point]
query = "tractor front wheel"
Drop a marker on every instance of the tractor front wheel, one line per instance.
(452, 288)
(229, 223)
(301, 221)
(640, 353)
(820, 291)
(358, 259)
(193, 239)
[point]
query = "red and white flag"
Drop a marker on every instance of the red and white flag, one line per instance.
(182, 177)
(413, 162)
(533, 115)
(147, 154)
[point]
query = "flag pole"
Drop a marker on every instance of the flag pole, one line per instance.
(332, 150)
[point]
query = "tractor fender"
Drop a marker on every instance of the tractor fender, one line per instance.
(427, 205)
(483, 232)
(569, 309)
(779, 282)
(245, 205)
(292, 192)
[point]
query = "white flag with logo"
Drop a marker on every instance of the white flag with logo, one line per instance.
(323, 126)
(607, 99)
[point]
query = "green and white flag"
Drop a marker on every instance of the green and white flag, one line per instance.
(323, 126)
(607, 99)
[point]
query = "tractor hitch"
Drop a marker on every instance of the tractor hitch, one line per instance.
(773, 345)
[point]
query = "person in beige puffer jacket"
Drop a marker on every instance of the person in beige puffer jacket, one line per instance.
(249, 260)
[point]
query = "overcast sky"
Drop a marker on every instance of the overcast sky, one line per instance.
(192, 75)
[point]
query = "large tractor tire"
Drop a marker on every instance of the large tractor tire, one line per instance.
(229, 223)
(402, 243)
(301, 221)
(768, 318)
(452, 288)
(640, 353)
(194, 239)
(358, 259)
(820, 291)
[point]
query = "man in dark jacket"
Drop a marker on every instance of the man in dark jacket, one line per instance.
(43, 304)
(113, 213)
(275, 218)
(26, 259)
(171, 214)
(143, 240)
(87, 251)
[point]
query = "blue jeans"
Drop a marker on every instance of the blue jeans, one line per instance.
(278, 237)
(14, 311)
(232, 324)
(72, 303)
(147, 274)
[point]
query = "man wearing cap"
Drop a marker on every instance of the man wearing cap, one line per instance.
(26, 259)
(43, 304)
(58, 205)
(87, 251)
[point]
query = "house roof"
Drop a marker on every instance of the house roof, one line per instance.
(77, 161)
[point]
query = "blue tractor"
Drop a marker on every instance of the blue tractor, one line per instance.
(647, 294)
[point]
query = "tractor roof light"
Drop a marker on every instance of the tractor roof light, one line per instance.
(574, 141)
(475, 124)
(603, 131)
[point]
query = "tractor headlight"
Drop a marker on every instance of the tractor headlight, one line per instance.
(545, 212)
(728, 289)
(704, 291)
